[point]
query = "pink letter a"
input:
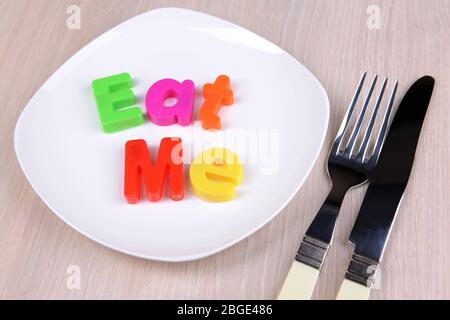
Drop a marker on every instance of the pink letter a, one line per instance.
(164, 89)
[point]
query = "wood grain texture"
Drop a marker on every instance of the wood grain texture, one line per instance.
(328, 37)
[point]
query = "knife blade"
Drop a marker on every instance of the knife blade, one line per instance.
(374, 222)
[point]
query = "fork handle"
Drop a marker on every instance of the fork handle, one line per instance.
(299, 283)
(322, 227)
(304, 272)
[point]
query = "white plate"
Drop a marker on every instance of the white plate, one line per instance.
(77, 169)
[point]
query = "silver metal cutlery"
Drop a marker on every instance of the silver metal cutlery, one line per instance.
(349, 165)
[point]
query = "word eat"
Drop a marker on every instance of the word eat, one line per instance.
(213, 174)
(117, 111)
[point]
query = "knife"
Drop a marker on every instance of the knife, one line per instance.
(373, 225)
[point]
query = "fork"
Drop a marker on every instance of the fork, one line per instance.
(347, 169)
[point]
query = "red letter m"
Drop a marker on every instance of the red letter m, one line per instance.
(168, 165)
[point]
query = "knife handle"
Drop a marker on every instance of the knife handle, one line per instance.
(353, 291)
(299, 283)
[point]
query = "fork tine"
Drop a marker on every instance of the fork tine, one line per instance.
(363, 148)
(348, 114)
(352, 141)
(382, 134)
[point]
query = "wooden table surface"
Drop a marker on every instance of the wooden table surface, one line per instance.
(333, 40)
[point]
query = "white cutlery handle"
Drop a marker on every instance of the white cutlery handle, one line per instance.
(353, 291)
(299, 283)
